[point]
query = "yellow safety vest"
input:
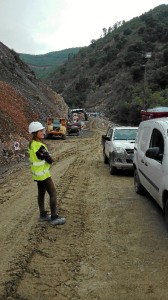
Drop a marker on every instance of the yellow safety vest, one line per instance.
(40, 168)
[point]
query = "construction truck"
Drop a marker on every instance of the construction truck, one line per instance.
(56, 127)
(78, 114)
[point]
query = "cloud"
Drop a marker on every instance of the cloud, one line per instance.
(23, 21)
(41, 26)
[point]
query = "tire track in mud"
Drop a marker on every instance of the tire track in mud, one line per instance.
(43, 235)
(8, 191)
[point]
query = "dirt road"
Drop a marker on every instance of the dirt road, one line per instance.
(113, 245)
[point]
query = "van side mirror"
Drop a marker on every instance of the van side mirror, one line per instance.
(107, 138)
(153, 152)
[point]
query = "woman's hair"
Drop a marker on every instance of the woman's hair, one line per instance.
(34, 138)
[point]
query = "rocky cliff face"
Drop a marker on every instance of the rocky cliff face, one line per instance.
(23, 99)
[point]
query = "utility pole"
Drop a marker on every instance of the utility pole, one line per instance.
(147, 56)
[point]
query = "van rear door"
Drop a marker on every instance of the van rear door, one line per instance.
(154, 167)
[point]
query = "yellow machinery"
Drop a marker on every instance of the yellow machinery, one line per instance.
(56, 127)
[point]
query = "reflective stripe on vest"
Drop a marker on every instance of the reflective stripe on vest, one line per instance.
(40, 173)
(38, 163)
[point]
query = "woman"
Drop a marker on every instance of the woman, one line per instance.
(41, 161)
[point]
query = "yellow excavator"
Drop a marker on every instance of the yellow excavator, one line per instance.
(56, 127)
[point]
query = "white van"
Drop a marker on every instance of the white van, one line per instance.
(151, 161)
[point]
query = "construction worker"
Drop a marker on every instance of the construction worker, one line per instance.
(41, 161)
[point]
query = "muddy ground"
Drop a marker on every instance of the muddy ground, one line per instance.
(113, 246)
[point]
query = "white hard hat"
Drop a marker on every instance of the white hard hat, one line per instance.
(35, 126)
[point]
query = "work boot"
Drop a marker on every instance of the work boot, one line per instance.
(44, 217)
(57, 220)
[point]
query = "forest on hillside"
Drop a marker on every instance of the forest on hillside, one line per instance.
(122, 72)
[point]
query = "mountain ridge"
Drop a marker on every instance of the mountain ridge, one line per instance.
(44, 64)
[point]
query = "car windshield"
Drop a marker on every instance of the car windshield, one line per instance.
(125, 134)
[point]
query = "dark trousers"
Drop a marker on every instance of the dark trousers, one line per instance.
(43, 186)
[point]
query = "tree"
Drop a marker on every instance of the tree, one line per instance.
(165, 56)
(104, 31)
(93, 43)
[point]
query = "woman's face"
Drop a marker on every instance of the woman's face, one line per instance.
(40, 134)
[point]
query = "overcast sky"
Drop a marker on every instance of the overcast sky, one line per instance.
(42, 26)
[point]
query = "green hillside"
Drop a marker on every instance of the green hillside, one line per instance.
(44, 64)
(114, 75)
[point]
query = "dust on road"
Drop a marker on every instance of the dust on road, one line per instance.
(113, 245)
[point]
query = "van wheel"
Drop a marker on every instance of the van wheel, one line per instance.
(166, 214)
(139, 189)
(105, 158)
(113, 169)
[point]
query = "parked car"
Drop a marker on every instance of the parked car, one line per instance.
(151, 161)
(118, 148)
